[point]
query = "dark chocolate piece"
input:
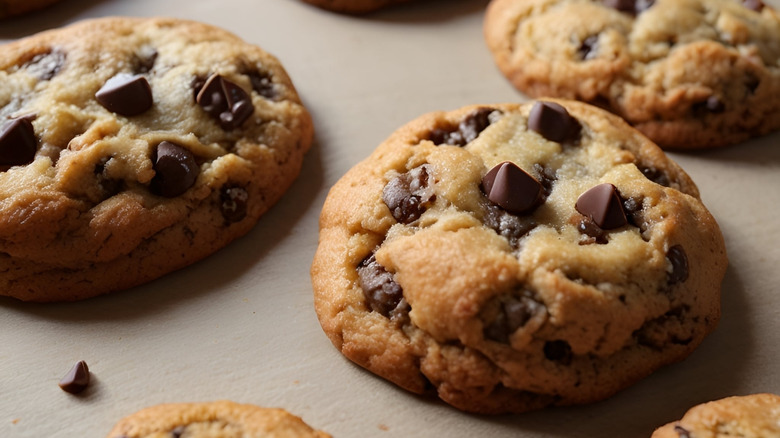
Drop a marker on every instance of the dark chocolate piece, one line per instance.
(466, 131)
(558, 351)
(126, 95)
(587, 227)
(225, 101)
(176, 170)
(588, 47)
(655, 175)
(144, 59)
(409, 195)
(17, 142)
(603, 205)
(510, 226)
(262, 84)
(77, 378)
(512, 188)
(46, 65)
(513, 312)
(234, 200)
(632, 7)
(380, 289)
(681, 431)
(679, 261)
(553, 122)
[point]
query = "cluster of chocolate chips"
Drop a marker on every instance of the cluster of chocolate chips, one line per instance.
(225, 101)
(383, 294)
(466, 131)
(409, 194)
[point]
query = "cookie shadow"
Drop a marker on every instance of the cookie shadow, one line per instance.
(712, 372)
(50, 17)
(209, 276)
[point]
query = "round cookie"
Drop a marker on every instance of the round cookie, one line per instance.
(687, 73)
(132, 147)
(353, 6)
(511, 257)
(221, 419)
(10, 8)
(750, 416)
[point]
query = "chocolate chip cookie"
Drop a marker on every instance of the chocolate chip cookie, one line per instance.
(511, 257)
(750, 416)
(222, 419)
(353, 6)
(132, 147)
(687, 73)
(10, 8)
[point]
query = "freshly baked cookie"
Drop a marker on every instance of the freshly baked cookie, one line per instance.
(222, 419)
(132, 147)
(10, 8)
(687, 73)
(750, 416)
(353, 6)
(512, 257)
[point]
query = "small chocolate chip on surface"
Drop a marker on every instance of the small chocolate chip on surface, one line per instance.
(678, 260)
(234, 202)
(558, 351)
(125, 94)
(176, 170)
(512, 188)
(553, 122)
(756, 5)
(225, 101)
(655, 175)
(77, 378)
(46, 65)
(681, 431)
(603, 205)
(587, 227)
(382, 293)
(512, 313)
(409, 195)
(588, 47)
(262, 84)
(466, 131)
(18, 143)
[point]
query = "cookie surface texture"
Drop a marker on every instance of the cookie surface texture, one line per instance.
(473, 257)
(749, 416)
(134, 147)
(11, 8)
(222, 419)
(353, 6)
(687, 73)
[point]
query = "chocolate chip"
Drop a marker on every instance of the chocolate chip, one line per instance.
(382, 293)
(547, 178)
(225, 101)
(756, 5)
(678, 272)
(752, 83)
(46, 65)
(558, 351)
(655, 175)
(507, 225)
(588, 47)
(409, 195)
(587, 227)
(512, 188)
(109, 186)
(143, 60)
(262, 84)
(629, 6)
(635, 215)
(17, 142)
(603, 205)
(77, 378)
(512, 312)
(125, 94)
(234, 200)
(178, 431)
(681, 431)
(553, 122)
(175, 170)
(466, 131)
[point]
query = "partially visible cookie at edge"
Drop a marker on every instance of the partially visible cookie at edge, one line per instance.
(353, 6)
(748, 416)
(516, 256)
(220, 419)
(687, 73)
(12, 8)
(131, 147)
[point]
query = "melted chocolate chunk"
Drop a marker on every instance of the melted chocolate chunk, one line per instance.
(143, 60)
(468, 129)
(558, 351)
(547, 178)
(635, 214)
(382, 293)
(553, 122)
(629, 6)
(588, 48)
(587, 227)
(752, 83)
(109, 186)
(681, 431)
(18, 143)
(511, 227)
(756, 5)
(175, 170)
(46, 65)
(178, 431)
(234, 200)
(603, 205)
(126, 95)
(262, 84)
(225, 101)
(679, 265)
(409, 195)
(77, 378)
(512, 188)
(508, 314)
(655, 175)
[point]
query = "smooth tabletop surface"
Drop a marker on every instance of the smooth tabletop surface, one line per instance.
(240, 325)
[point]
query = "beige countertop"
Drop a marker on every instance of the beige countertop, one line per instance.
(240, 325)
